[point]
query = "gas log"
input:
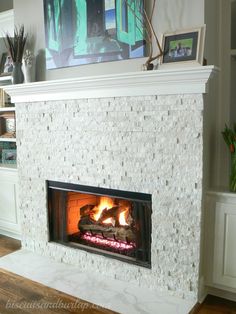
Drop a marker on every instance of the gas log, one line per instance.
(112, 230)
(124, 233)
(113, 213)
(86, 210)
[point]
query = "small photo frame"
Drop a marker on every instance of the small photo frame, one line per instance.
(184, 47)
(7, 125)
(2, 98)
(6, 66)
(9, 156)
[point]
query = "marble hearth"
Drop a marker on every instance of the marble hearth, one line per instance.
(139, 132)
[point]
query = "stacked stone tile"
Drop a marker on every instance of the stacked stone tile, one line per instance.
(147, 144)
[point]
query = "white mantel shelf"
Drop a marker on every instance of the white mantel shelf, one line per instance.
(159, 82)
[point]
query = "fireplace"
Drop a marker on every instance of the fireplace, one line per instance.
(117, 131)
(110, 222)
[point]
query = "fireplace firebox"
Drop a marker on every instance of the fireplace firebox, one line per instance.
(110, 222)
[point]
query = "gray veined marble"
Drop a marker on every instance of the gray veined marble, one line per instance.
(123, 297)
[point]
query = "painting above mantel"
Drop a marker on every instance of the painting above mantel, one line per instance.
(91, 31)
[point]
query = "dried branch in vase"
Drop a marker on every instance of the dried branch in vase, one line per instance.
(144, 23)
(16, 44)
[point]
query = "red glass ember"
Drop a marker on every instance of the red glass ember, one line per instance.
(99, 240)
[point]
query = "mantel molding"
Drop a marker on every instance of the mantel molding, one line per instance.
(158, 82)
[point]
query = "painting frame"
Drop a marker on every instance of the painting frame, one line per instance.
(87, 32)
(183, 47)
(6, 65)
(9, 156)
(2, 98)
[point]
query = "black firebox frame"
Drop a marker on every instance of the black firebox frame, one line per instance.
(57, 196)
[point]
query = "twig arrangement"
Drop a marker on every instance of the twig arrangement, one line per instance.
(16, 44)
(147, 30)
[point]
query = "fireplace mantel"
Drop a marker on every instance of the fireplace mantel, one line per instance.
(132, 144)
(192, 80)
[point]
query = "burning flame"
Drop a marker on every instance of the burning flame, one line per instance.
(108, 221)
(123, 217)
(107, 203)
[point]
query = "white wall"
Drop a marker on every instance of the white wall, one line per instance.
(210, 164)
(6, 5)
(212, 54)
(217, 104)
(2, 46)
(169, 15)
(233, 27)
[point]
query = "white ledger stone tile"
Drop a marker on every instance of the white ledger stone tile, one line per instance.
(142, 144)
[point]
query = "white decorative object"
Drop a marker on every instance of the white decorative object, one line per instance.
(29, 66)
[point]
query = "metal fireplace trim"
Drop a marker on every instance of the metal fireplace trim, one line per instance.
(99, 191)
(132, 196)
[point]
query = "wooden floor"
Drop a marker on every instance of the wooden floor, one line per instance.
(8, 245)
(20, 295)
(215, 305)
(16, 292)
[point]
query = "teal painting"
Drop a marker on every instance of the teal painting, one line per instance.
(89, 31)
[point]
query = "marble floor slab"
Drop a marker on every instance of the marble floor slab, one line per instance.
(119, 296)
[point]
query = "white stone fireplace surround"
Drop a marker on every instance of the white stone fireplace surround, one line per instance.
(138, 132)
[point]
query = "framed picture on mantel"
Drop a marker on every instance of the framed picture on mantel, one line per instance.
(6, 65)
(90, 31)
(9, 156)
(183, 47)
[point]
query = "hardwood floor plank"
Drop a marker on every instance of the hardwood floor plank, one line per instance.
(215, 305)
(17, 291)
(8, 245)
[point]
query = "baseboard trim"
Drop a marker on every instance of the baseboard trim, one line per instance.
(203, 297)
(222, 293)
(202, 290)
(10, 234)
(196, 308)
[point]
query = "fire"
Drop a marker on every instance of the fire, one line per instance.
(108, 221)
(105, 203)
(123, 217)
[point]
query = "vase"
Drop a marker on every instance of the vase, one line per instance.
(17, 73)
(148, 67)
(233, 173)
